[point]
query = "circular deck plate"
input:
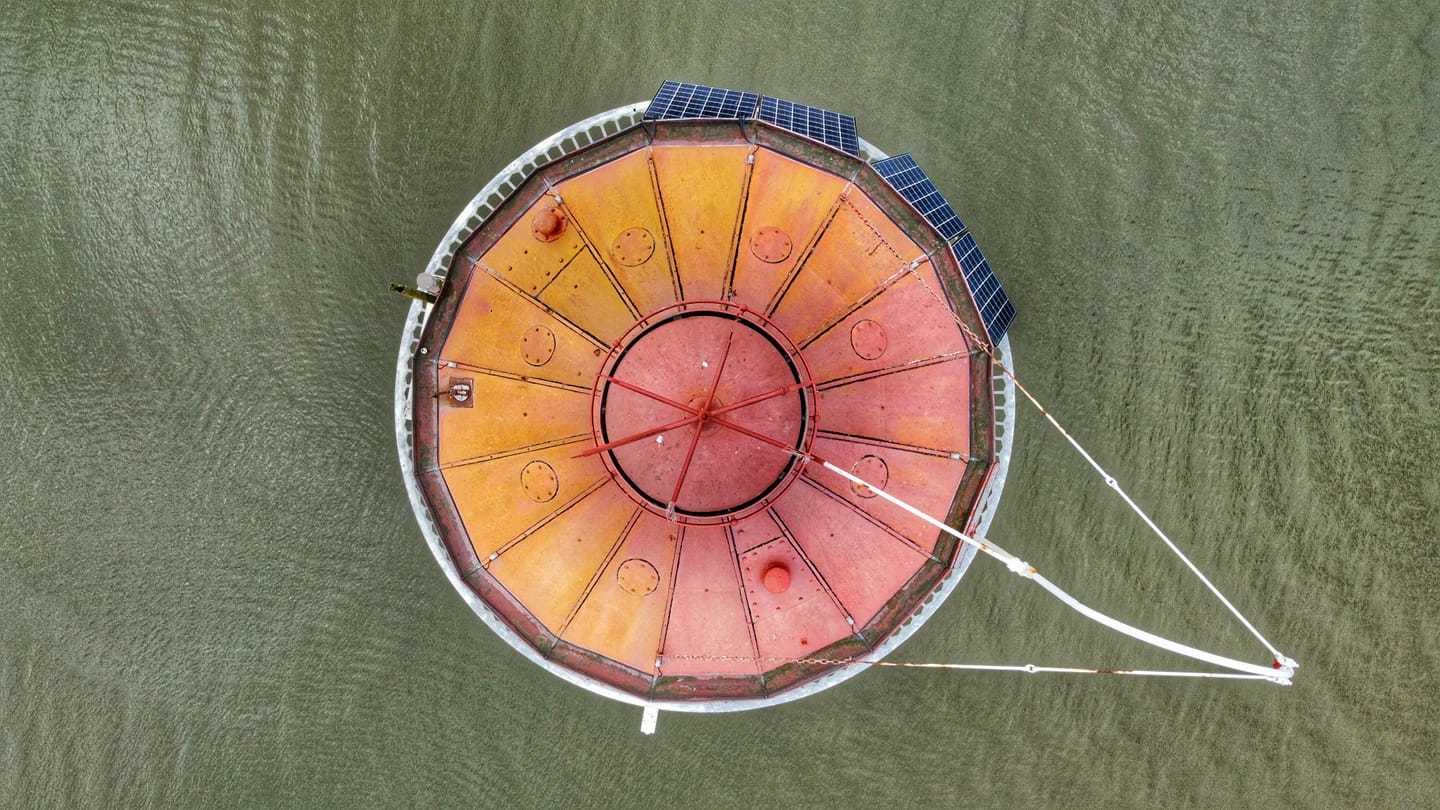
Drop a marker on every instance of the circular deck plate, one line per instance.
(633, 458)
(709, 357)
(638, 577)
(771, 245)
(538, 345)
(634, 246)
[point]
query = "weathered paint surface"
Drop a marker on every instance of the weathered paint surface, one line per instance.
(924, 480)
(901, 408)
(857, 253)
(793, 197)
(497, 506)
(485, 429)
(586, 296)
(620, 615)
(548, 295)
(701, 188)
(679, 359)
(549, 569)
(710, 630)
(800, 619)
(907, 324)
(608, 201)
(499, 328)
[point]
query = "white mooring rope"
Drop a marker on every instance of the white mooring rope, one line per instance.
(1134, 507)
(1024, 569)
(1280, 673)
(1284, 663)
(1026, 668)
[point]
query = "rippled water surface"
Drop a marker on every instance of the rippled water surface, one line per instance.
(1222, 228)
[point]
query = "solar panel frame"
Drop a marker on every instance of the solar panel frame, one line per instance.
(995, 308)
(1003, 320)
(816, 123)
(910, 181)
(681, 100)
(905, 176)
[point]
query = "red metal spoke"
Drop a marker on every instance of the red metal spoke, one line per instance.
(645, 392)
(748, 401)
(685, 468)
(744, 431)
(725, 355)
(635, 437)
(709, 397)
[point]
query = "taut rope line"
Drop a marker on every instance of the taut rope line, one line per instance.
(1026, 668)
(1024, 569)
(1282, 662)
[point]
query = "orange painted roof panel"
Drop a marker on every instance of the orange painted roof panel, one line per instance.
(616, 210)
(788, 197)
(702, 189)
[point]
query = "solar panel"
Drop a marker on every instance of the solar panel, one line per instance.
(995, 308)
(677, 100)
(825, 126)
(905, 176)
(682, 100)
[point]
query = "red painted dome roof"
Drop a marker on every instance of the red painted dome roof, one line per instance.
(623, 383)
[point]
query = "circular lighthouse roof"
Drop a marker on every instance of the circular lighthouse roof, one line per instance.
(621, 390)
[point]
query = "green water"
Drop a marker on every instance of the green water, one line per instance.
(1221, 226)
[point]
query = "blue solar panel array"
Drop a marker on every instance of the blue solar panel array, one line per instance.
(682, 100)
(835, 129)
(678, 100)
(906, 177)
(995, 308)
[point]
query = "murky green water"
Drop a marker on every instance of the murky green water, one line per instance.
(1222, 228)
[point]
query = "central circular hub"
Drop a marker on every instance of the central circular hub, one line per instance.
(703, 408)
(697, 401)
